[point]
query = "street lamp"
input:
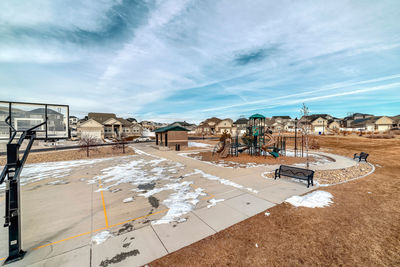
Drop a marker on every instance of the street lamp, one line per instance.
(295, 137)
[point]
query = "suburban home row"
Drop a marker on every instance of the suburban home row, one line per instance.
(107, 125)
(316, 123)
(218, 126)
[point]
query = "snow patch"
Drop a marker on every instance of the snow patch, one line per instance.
(214, 202)
(179, 203)
(316, 199)
(196, 144)
(57, 182)
(38, 171)
(222, 181)
(101, 237)
(129, 199)
(267, 213)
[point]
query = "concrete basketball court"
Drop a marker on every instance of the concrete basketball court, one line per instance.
(67, 206)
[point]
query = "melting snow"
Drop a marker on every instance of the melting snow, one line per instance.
(101, 237)
(222, 181)
(196, 144)
(35, 172)
(214, 202)
(316, 199)
(179, 203)
(129, 199)
(57, 182)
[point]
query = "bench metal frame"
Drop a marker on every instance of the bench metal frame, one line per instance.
(361, 156)
(297, 173)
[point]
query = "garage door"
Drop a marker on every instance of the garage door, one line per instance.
(94, 134)
(318, 129)
(383, 128)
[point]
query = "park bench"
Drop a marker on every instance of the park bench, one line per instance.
(294, 172)
(362, 156)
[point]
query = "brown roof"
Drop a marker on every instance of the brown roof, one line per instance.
(125, 122)
(203, 125)
(213, 119)
(101, 117)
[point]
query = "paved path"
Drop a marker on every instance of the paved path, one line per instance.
(145, 244)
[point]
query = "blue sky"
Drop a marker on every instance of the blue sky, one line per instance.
(189, 60)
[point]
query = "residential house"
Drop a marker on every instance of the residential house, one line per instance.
(185, 124)
(280, 124)
(347, 121)
(90, 128)
(240, 126)
(317, 123)
(149, 125)
(371, 124)
(224, 125)
(73, 122)
(396, 122)
(203, 129)
(334, 125)
(212, 122)
(208, 126)
(107, 125)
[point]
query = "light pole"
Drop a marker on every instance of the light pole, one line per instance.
(295, 137)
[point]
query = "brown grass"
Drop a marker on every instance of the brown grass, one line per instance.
(359, 229)
(62, 155)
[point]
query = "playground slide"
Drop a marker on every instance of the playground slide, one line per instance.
(219, 147)
(225, 152)
(242, 149)
(270, 143)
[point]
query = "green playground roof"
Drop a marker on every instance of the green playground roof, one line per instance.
(170, 128)
(257, 116)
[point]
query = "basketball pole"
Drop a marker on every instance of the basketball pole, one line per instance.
(12, 171)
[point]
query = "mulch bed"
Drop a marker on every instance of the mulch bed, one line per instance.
(339, 175)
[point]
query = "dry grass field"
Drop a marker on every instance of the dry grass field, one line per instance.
(361, 227)
(76, 154)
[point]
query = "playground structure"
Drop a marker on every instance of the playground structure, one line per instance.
(258, 141)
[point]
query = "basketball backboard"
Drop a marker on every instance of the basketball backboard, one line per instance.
(24, 116)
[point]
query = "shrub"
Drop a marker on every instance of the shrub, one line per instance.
(381, 136)
(88, 143)
(225, 135)
(314, 143)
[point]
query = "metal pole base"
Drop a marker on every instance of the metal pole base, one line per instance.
(16, 257)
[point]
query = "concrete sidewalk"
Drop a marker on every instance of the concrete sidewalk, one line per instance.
(146, 242)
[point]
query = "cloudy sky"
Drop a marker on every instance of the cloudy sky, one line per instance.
(188, 60)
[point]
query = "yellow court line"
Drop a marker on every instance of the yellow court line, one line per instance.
(141, 217)
(107, 226)
(104, 204)
(94, 231)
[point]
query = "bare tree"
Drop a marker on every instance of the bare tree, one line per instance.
(120, 143)
(305, 129)
(87, 143)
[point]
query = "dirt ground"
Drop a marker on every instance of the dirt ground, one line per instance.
(63, 155)
(361, 227)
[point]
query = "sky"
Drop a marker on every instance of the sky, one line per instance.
(190, 60)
